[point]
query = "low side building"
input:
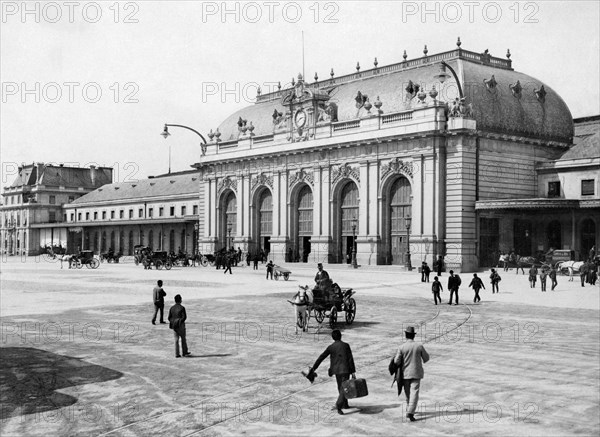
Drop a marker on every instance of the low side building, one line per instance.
(32, 206)
(161, 212)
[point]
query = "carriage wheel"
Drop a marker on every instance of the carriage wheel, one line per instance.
(78, 264)
(102, 259)
(158, 264)
(350, 311)
(212, 263)
(286, 276)
(333, 317)
(204, 261)
(277, 276)
(136, 260)
(168, 265)
(319, 316)
(94, 263)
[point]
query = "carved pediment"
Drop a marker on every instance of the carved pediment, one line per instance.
(225, 183)
(301, 176)
(397, 166)
(262, 179)
(345, 171)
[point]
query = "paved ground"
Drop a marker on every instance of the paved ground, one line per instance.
(80, 357)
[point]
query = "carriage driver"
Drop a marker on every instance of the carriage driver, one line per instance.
(321, 277)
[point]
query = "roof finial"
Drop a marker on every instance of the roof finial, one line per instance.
(357, 67)
(508, 53)
(331, 73)
(405, 56)
(316, 77)
(425, 50)
(458, 43)
(279, 86)
(258, 92)
(375, 63)
(293, 81)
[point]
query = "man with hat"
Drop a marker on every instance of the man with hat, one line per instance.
(453, 284)
(321, 275)
(410, 356)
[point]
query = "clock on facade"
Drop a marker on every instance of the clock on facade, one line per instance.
(300, 118)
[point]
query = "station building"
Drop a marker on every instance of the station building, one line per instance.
(395, 157)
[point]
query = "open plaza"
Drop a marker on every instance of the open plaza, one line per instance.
(80, 356)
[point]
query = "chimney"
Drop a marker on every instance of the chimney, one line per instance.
(40, 169)
(93, 174)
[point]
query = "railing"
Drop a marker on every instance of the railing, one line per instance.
(345, 125)
(263, 139)
(398, 116)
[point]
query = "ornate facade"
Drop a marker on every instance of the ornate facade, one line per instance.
(309, 171)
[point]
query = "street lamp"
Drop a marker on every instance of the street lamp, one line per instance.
(443, 75)
(229, 235)
(165, 133)
(408, 219)
(354, 223)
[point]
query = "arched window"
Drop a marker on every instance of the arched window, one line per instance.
(151, 239)
(305, 211)
(130, 243)
(121, 241)
(231, 213)
(172, 240)
(182, 244)
(266, 213)
(112, 240)
(103, 242)
(399, 206)
(349, 206)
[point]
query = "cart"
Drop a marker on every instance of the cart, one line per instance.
(159, 260)
(330, 300)
(86, 257)
(280, 271)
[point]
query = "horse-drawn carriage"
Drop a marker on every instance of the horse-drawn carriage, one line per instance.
(111, 256)
(139, 253)
(85, 258)
(158, 259)
(324, 301)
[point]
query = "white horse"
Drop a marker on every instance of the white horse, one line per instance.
(301, 303)
(65, 258)
(571, 267)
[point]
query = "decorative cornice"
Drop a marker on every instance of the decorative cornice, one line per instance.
(344, 171)
(539, 203)
(301, 176)
(262, 179)
(227, 182)
(397, 166)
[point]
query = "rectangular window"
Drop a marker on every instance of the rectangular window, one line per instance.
(52, 216)
(87, 215)
(172, 211)
(95, 215)
(131, 213)
(103, 215)
(161, 211)
(112, 215)
(72, 216)
(52, 200)
(587, 187)
(195, 209)
(150, 212)
(79, 216)
(554, 189)
(141, 213)
(183, 210)
(64, 217)
(121, 214)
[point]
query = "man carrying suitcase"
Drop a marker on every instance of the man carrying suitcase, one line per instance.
(341, 365)
(411, 355)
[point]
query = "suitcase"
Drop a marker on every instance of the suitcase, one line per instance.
(355, 388)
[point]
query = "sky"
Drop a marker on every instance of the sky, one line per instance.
(94, 82)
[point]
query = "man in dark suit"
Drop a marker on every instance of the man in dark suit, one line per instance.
(410, 356)
(321, 275)
(177, 318)
(341, 365)
(453, 284)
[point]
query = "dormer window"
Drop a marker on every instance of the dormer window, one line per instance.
(554, 189)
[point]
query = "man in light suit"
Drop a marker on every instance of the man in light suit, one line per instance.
(341, 365)
(411, 355)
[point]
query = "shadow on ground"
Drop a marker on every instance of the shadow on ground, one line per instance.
(29, 378)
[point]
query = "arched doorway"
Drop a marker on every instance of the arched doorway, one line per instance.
(347, 218)
(182, 242)
(112, 240)
(399, 208)
(103, 242)
(96, 242)
(172, 240)
(121, 241)
(302, 225)
(588, 237)
(228, 224)
(264, 221)
(151, 239)
(553, 235)
(130, 242)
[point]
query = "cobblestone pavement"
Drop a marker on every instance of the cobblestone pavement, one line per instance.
(79, 355)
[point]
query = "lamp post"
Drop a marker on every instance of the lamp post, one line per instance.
(408, 219)
(442, 76)
(354, 223)
(229, 235)
(165, 133)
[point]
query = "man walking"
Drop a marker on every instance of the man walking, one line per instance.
(533, 276)
(583, 271)
(411, 355)
(228, 261)
(341, 365)
(177, 318)
(477, 285)
(453, 284)
(436, 287)
(543, 277)
(270, 267)
(427, 270)
(495, 278)
(159, 301)
(552, 275)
